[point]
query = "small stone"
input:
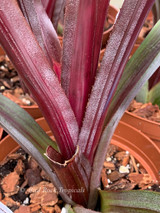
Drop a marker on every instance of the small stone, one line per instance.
(4, 69)
(123, 170)
(109, 171)
(108, 159)
(26, 201)
(26, 102)
(10, 184)
(23, 209)
(64, 210)
(2, 87)
(109, 181)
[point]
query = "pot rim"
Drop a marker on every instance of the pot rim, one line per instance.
(138, 150)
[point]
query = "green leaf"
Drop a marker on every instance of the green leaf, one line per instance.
(154, 95)
(138, 70)
(31, 137)
(68, 209)
(38, 76)
(116, 55)
(130, 201)
(84, 22)
(142, 96)
(78, 209)
(22, 127)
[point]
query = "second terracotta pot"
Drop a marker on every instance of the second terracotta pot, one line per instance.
(149, 128)
(125, 137)
(140, 146)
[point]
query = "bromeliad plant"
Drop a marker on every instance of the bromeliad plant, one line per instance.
(81, 105)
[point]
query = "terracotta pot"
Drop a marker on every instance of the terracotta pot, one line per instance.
(135, 47)
(125, 136)
(149, 128)
(139, 40)
(33, 110)
(140, 146)
(112, 13)
(147, 27)
(150, 16)
(8, 145)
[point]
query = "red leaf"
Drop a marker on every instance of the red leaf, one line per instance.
(154, 79)
(42, 28)
(53, 9)
(84, 21)
(126, 30)
(74, 175)
(29, 60)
